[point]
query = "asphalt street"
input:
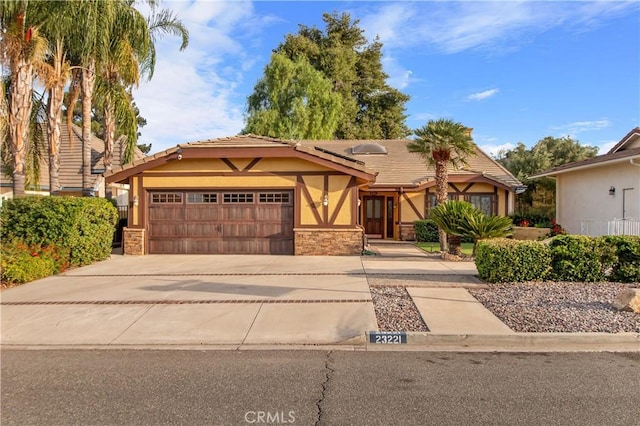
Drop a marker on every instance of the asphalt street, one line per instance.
(99, 387)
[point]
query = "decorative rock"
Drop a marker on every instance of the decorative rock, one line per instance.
(628, 300)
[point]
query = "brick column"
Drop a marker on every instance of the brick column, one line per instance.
(133, 241)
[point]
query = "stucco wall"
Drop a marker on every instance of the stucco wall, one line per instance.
(584, 194)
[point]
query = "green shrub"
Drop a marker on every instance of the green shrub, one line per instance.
(82, 226)
(426, 231)
(626, 266)
(22, 263)
(580, 258)
(505, 260)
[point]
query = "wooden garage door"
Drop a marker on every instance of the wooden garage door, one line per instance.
(217, 222)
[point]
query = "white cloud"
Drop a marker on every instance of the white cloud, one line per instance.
(399, 76)
(452, 27)
(494, 149)
(482, 95)
(605, 146)
(193, 93)
(576, 127)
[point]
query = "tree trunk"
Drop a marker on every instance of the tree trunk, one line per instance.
(54, 117)
(19, 116)
(455, 245)
(109, 137)
(87, 85)
(442, 180)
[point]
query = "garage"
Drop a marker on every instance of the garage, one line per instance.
(216, 222)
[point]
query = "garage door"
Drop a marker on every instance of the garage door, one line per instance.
(221, 222)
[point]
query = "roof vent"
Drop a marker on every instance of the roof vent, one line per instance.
(368, 148)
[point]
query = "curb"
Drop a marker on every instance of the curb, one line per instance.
(413, 341)
(516, 342)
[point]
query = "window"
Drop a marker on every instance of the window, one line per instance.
(274, 197)
(237, 197)
(166, 198)
(201, 198)
(484, 202)
(433, 201)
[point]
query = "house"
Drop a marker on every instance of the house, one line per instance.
(593, 194)
(254, 194)
(70, 174)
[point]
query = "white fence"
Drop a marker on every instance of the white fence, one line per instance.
(596, 228)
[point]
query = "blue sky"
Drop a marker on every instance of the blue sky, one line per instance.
(513, 71)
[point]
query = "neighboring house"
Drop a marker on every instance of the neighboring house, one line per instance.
(71, 168)
(593, 195)
(254, 194)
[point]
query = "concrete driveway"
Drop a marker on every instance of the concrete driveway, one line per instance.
(174, 300)
(207, 299)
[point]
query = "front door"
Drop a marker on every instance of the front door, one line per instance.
(373, 217)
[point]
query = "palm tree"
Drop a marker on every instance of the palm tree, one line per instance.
(54, 76)
(23, 49)
(450, 217)
(443, 143)
(482, 227)
(131, 55)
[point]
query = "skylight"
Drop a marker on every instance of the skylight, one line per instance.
(368, 148)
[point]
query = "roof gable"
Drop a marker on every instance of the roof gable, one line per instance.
(244, 146)
(629, 141)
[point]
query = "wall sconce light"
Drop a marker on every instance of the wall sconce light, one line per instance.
(179, 151)
(612, 190)
(135, 201)
(325, 200)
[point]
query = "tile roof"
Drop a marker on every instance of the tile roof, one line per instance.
(252, 141)
(399, 167)
(71, 160)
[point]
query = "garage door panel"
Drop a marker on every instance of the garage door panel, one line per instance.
(167, 212)
(238, 212)
(174, 246)
(218, 222)
(166, 229)
(271, 230)
(239, 230)
(197, 246)
(202, 213)
(203, 230)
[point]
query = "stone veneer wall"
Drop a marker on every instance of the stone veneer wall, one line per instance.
(407, 232)
(329, 242)
(133, 241)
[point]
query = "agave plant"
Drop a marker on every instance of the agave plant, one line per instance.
(451, 217)
(481, 226)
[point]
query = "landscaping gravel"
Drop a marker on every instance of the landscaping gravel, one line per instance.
(559, 307)
(395, 310)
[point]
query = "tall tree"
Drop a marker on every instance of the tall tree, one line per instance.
(23, 50)
(293, 101)
(547, 153)
(370, 108)
(443, 143)
(131, 55)
(55, 75)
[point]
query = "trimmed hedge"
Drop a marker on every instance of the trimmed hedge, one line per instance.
(580, 258)
(426, 231)
(566, 258)
(626, 267)
(83, 227)
(506, 260)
